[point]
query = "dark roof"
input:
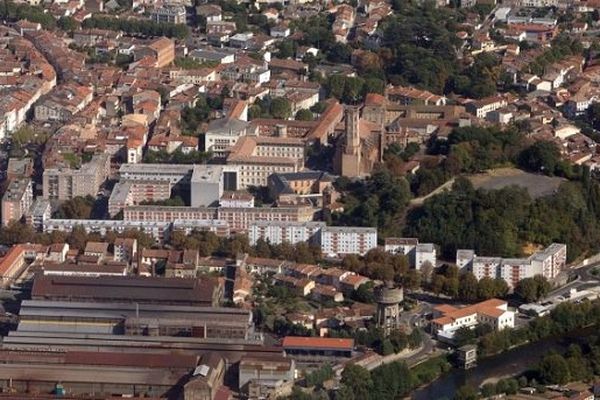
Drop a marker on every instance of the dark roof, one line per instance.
(127, 288)
(172, 360)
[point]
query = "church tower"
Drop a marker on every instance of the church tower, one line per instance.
(351, 156)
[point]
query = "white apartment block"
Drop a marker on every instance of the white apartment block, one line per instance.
(417, 253)
(448, 319)
(279, 232)
(337, 241)
(548, 263)
(480, 108)
(538, 3)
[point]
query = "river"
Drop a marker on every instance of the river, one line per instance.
(505, 364)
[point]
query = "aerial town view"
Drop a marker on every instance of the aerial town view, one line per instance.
(300, 199)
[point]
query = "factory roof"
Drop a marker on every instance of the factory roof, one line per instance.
(134, 289)
(297, 342)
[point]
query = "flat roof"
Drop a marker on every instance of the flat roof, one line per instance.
(207, 173)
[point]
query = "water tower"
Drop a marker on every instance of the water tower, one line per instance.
(388, 300)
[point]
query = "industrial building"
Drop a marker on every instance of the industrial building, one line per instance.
(318, 347)
(78, 373)
(135, 319)
(134, 289)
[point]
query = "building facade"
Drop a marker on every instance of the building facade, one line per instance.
(337, 241)
(17, 200)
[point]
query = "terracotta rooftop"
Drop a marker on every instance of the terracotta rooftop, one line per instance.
(295, 342)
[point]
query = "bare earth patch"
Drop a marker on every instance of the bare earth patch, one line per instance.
(536, 185)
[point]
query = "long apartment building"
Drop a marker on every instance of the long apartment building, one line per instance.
(17, 200)
(64, 183)
(547, 263)
(238, 219)
(280, 232)
(337, 241)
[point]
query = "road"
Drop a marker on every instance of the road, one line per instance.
(420, 200)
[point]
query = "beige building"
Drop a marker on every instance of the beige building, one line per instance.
(17, 200)
(67, 183)
(161, 51)
(128, 193)
(258, 157)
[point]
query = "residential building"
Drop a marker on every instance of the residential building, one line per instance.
(63, 103)
(19, 168)
(480, 108)
(547, 263)
(125, 250)
(12, 265)
(157, 230)
(224, 133)
(448, 319)
(169, 13)
(409, 95)
(220, 57)
(40, 211)
(210, 12)
(337, 241)
(288, 232)
(96, 249)
(236, 199)
(161, 51)
(417, 253)
(64, 183)
(17, 200)
(131, 192)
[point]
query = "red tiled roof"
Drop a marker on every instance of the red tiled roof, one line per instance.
(312, 342)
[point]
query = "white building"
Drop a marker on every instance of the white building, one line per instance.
(337, 241)
(417, 253)
(548, 263)
(448, 319)
(279, 232)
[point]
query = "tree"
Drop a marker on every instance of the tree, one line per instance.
(464, 335)
(488, 390)
(76, 208)
(286, 48)
(466, 393)
(340, 53)
(533, 289)
(554, 369)
(304, 115)
(358, 380)
(364, 293)
(16, 232)
(542, 156)
(486, 288)
(280, 108)
(468, 287)
(67, 24)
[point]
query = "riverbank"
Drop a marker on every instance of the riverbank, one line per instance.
(504, 365)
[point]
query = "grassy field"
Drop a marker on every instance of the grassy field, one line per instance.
(536, 185)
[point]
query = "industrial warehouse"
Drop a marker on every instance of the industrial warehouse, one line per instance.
(137, 336)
